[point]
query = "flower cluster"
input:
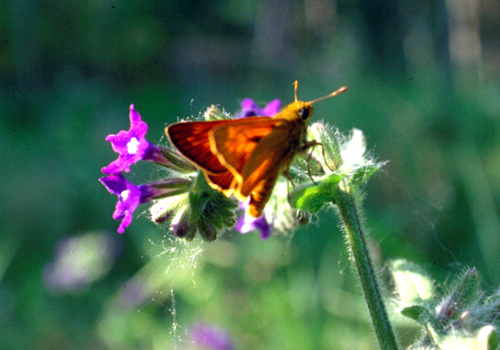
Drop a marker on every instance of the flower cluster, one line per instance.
(80, 261)
(132, 147)
(186, 202)
(184, 199)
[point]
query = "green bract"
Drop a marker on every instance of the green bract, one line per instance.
(199, 209)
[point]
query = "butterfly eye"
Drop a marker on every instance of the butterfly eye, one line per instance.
(304, 113)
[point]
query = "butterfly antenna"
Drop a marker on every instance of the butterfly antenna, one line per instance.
(336, 92)
(295, 84)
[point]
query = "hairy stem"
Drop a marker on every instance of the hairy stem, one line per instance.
(347, 206)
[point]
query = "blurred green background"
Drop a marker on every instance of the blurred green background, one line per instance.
(424, 86)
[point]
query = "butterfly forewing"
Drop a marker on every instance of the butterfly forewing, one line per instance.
(192, 140)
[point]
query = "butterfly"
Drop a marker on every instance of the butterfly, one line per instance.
(244, 157)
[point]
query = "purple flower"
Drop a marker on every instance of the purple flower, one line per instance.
(134, 293)
(132, 146)
(250, 109)
(129, 197)
(211, 337)
(181, 227)
(79, 261)
(248, 223)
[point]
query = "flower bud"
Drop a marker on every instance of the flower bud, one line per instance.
(465, 293)
(331, 148)
(214, 113)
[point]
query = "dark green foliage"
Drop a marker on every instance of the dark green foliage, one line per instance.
(70, 70)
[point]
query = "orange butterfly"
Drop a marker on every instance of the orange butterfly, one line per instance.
(244, 157)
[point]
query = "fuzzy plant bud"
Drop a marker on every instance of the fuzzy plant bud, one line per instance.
(214, 113)
(464, 295)
(344, 163)
(330, 146)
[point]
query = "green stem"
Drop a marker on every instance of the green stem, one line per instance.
(347, 206)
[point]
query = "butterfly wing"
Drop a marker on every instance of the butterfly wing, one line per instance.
(234, 143)
(267, 160)
(224, 182)
(192, 141)
(262, 170)
(255, 153)
(249, 154)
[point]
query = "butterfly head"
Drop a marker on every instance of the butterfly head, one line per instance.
(297, 111)
(304, 110)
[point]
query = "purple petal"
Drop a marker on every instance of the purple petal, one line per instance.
(124, 212)
(271, 108)
(131, 145)
(211, 337)
(249, 109)
(115, 184)
(248, 104)
(248, 223)
(129, 198)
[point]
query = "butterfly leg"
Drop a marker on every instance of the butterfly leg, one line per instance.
(309, 167)
(324, 157)
(308, 145)
(312, 145)
(287, 174)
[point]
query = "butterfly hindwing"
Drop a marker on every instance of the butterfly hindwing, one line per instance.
(235, 143)
(224, 182)
(267, 161)
(262, 171)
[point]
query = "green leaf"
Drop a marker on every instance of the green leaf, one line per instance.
(413, 285)
(198, 202)
(418, 313)
(422, 315)
(488, 335)
(312, 197)
(362, 175)
(201, 184)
